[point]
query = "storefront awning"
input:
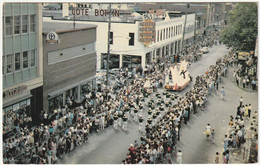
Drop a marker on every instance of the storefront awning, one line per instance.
(16, 99)
(59, 91)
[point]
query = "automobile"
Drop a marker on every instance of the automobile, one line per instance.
(53, 7)
(114, 71)
(204, 50)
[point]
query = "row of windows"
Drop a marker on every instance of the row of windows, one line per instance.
(20, 24)
(18, 61)
(131, 41)
(168, 32)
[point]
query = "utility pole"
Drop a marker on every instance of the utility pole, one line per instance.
(183, 34)
(74, 21)
(108, 44)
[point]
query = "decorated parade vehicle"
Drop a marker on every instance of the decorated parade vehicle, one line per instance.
(177, 77)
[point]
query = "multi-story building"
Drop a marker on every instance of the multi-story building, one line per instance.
(22, 73)
(127, 46)
(69, 63)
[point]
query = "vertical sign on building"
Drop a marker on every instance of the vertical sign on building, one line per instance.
(147, 32)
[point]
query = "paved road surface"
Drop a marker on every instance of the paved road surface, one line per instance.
(110, 146)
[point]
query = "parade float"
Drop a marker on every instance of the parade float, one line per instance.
(177, 77)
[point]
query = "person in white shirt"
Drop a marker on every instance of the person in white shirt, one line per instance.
(208, 130)
(179, 157)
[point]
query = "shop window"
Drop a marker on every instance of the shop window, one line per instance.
(33, 57)
(114, 61)
(157, 53)
(55, 103)
(17, 61)
(111, 37)
(167, 50)
(17, 24)
(130, 61)
(25, 23)
(25, 59)
(132, 39)
(9, 25)
(9, 63)
(32, 23)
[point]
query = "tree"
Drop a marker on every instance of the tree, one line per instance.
(241, 30)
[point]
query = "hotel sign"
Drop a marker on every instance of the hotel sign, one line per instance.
(147, 32)
(14, 91)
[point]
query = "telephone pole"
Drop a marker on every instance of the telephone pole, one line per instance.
(108, 44)
(183, 34)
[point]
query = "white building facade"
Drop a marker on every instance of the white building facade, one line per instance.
(126, 50)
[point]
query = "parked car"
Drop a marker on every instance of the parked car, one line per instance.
(204, 50)
(53, 7)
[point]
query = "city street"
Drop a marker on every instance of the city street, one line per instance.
(86, 83)
(110, 146)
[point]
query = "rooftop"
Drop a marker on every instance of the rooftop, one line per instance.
(60, 27)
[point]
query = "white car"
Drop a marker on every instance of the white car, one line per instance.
(204, 50)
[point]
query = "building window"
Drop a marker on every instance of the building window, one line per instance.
(132, 39)
(33, 57)
(3, 65)
(9, 25)
(111, 37)
(17, 61)
(172, 32)
(25, 59)
(25, 23)
(17, 24)
(158, 35)
(32, 23)
(181, 29)
(9, 63)
(166, 33)
(161, 36)
(169, 32)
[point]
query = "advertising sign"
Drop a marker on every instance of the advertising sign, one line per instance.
(147, 32)
(52, 38)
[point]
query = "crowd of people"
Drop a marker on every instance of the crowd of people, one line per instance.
(238, 134)
(69, 126)
(162, 133)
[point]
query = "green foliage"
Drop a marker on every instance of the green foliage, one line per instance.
(241, 30)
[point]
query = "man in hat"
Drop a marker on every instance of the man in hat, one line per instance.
(115, 120)
(124, 127)
(140, 122)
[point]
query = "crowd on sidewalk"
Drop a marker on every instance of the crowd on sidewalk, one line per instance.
(69, 126)
(241, 133)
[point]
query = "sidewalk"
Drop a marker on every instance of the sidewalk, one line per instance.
(238, 156)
